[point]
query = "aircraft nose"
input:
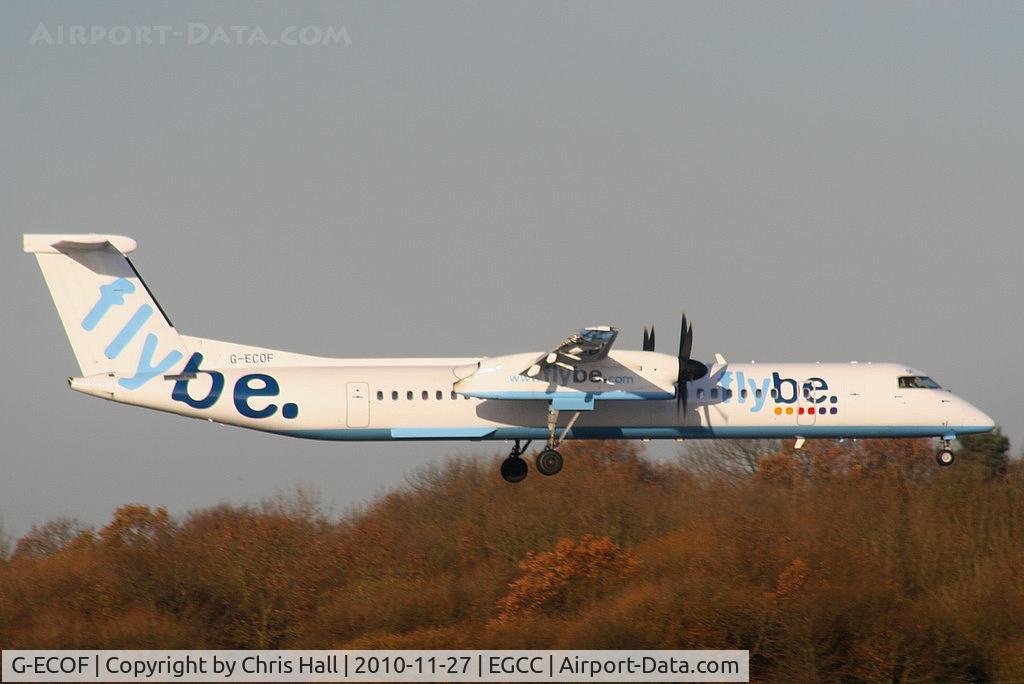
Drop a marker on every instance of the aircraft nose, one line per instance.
(974, 419)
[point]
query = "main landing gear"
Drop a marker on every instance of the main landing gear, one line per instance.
(549, 461)
(514, 468)
(944, 456)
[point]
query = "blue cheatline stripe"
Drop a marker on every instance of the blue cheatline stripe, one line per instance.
(440, 433)
(583, 432)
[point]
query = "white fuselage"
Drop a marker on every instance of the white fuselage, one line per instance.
(631, 397)
(128, 351)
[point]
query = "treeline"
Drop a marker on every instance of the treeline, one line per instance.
(861, 561)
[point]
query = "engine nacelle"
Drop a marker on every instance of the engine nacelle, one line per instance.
(620, 375)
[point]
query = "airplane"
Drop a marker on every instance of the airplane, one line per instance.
(582, 388)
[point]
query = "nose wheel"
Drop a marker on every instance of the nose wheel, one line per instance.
(944, 456)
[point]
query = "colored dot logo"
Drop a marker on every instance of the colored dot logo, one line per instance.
(821, 410)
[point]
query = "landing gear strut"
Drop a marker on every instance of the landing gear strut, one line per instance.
(945, 456)
(549, 461)
(514, 468)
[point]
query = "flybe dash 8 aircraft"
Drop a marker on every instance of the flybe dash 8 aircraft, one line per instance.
(129, 352)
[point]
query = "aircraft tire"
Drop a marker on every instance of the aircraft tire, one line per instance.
(549, 462)
(514, 469)
(945, 457)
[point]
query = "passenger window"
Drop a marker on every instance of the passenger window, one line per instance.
(727, 394)
(758, 393)
(774, 393)
(743, 394)
(394, 395)
(408, 395)
(425, 395)
(454, 395)
(439, 395)
(380, 395)
(714, 392)
(700, 394)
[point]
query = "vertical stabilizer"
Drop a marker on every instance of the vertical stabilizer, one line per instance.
(111, 319)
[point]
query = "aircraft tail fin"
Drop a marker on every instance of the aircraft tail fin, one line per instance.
(111, 319)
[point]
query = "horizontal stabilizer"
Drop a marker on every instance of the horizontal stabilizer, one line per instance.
(60, 244)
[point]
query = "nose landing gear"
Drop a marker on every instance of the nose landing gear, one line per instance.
(944, 456)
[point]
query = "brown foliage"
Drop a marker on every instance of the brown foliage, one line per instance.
(859, 561)
(50, 538)
(555, 580)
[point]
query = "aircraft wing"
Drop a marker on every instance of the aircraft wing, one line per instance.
(586, 346)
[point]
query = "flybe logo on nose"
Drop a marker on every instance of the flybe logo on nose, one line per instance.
(781, 390)
(111, 295)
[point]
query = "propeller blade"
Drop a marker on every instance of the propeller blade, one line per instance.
(649, 339)
(689, 369)
(685, 339)
(685, 344)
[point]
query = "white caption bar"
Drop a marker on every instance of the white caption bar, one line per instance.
(375, 666)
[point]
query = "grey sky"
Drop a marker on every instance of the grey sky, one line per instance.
(809, 181)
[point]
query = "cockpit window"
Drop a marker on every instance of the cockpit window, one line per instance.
(918, 382)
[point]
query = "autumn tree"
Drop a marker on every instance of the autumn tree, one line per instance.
(50, 538)
(559, 578)
(734, 458)
(989, 451)
(853, 561)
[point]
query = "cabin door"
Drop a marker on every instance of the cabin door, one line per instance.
(358, 403)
